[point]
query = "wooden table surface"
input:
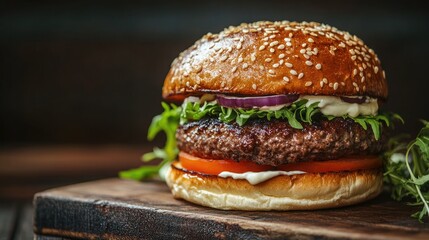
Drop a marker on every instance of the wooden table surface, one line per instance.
(16, 221)
(122, 209)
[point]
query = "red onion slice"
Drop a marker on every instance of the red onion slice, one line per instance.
(250, 102)
(357, 100)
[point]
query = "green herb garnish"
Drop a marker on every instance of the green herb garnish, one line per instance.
(166, 122)
(407, 170)
(295, 114)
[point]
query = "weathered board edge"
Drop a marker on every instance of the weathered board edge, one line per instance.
(92, 220)
(98, 216)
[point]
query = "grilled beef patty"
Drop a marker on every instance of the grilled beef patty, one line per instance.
(275, 142)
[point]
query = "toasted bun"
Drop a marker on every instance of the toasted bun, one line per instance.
(297, 192)
(266, 58)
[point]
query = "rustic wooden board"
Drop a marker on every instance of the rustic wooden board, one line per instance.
(121, 209)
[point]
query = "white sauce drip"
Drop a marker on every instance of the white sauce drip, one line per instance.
(334, 106)
(258, 177)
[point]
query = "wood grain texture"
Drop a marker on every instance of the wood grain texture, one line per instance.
(121, 209)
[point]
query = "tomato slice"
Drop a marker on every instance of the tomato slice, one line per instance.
(344, 164)
(214, 167)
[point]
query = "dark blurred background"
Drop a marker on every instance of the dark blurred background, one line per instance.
(81, 81)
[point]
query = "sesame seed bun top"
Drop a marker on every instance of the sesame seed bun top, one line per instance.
(267, 58)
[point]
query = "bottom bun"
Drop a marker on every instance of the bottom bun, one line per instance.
(297, 192)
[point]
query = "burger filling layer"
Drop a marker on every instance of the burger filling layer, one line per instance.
(272, 133)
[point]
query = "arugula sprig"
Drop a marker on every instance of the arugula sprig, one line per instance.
(295, 113)
(407, 170)
(166, 122)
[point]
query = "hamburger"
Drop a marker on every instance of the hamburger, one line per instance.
(274, 116)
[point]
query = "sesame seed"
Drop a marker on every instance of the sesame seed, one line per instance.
(362, 79)
(223, 58)
(330, 84)
(245, 30)
(271, 71)
(353, 57)
(275, 65)
(315, 51)
(289, 65)
(300, 75)
(308, 84)
(288, 44)
(375, 69)
(384, 74)
(268, 59)
(240, 59)
(286, 79)
(342, 45)
(261, 47)
(245, 65)
(234, 69)
(281, 55)
(290, 35)
(302, 51)
(318, 66)
(325, 80)
(254, 86)
(354, 72)
(274, 43)
(287, 39)
(272, 50)
(281, 61)
(261, 67)
(239, 46)
(281, 46)
(360, 69)
(321, 84)
(293, 72)
(355, 84)
(252, 57)
(304, 44)
(346, 37)
(310, 40)
(266, 43)
(308, 63)
(198, 69)
(272, 36)
(352, 52)
(335, 86)
(306, 56)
